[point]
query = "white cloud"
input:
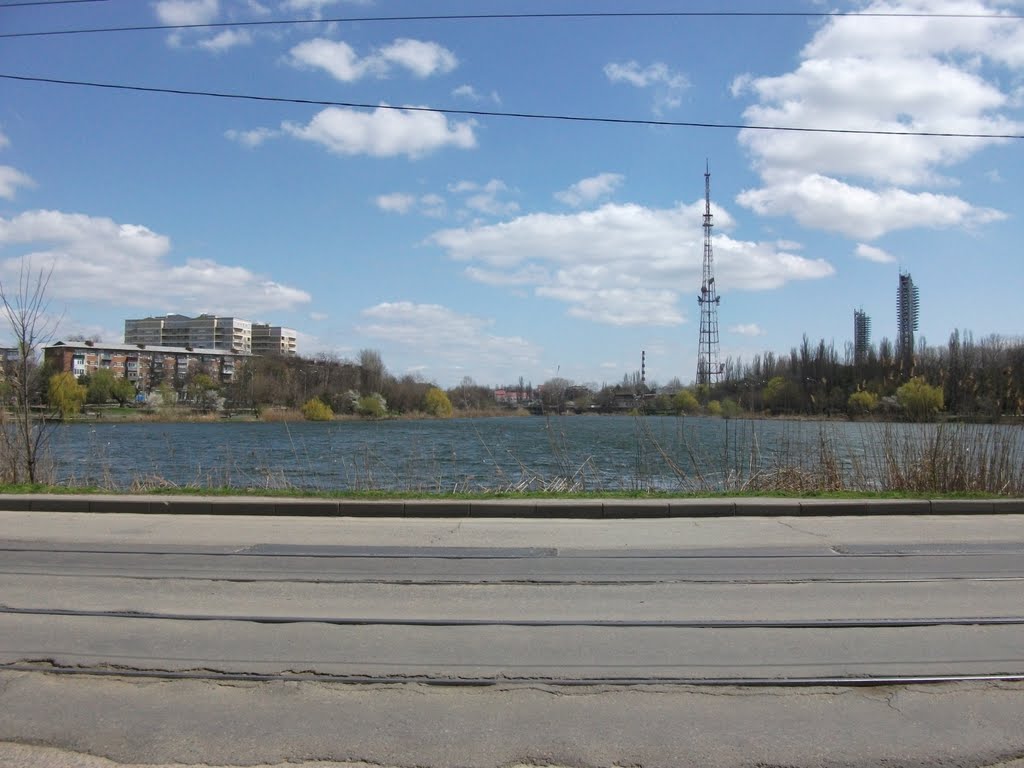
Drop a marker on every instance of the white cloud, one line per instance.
(620, 264)
(318, 316)
(873, 94)
(821, 202)
(186, 12)
(1000, 39)
(316, 7)
(226, 40)
(384, 132)
(256, 8)
(484, 198)
(466, 92)
(4, 141)
(335, 57)
(668, 83)
(644, 77)
(395, 202)
(399, 202)
(421, 58)
(92, 255)
(747, 329)
(440, 333)
(252, 138)
(912, 74)
(471, 93)
(341, 61)
(871, 253)
(11, 179)
(590, 189)
(432, 205)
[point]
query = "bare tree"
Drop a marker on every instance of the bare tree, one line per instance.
(25, 309)
(371, 371)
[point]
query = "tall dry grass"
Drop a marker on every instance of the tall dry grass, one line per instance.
(686, 456)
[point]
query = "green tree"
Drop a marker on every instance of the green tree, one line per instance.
(202, 391)
(861, 403)
(919, 400)
(436, 403)
(685, 401)
(123, 391)
(99, 386)
(316, 409)
(66, 394)
(168, 397)
(780, 394)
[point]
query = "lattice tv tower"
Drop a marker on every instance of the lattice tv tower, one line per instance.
(709, 369)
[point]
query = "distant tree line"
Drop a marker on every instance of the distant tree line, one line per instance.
(975, 379)
(325, 386)
(981, 379)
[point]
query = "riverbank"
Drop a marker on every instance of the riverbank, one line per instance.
(267, 415)
(177, 415)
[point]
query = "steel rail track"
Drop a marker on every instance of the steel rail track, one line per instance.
(314, 552)
(880, 623)
(507, 680)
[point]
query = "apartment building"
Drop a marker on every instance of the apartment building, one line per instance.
(211, 332)
(144, 365)
(273, 340)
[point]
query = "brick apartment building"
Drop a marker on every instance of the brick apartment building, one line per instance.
(144, 365)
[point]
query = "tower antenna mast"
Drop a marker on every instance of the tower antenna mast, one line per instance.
(709, 369)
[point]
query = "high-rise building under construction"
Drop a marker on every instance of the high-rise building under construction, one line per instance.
(907, 311)
(861, 336)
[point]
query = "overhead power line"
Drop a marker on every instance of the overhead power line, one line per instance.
(489, 113)
(46, 2)
(507, 16)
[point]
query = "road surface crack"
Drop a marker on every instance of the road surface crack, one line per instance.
(890, 701)
(797, 529)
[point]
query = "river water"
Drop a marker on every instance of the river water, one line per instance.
(594, 453)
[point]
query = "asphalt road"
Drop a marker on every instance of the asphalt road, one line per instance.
(447, 642)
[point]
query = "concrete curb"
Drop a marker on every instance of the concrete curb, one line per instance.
(587, 509)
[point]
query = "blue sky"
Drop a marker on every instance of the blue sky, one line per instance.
(499, 247)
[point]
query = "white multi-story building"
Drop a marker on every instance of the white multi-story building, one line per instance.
(212, 332)
(273, 340)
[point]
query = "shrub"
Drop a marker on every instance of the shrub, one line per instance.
(714, 408)
(436, 403)
(861, 403)
(730, 408)
(919, 400)
(373, 406)
(316, 410)
(685, 402)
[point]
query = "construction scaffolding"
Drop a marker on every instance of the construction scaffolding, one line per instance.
(907, 312)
